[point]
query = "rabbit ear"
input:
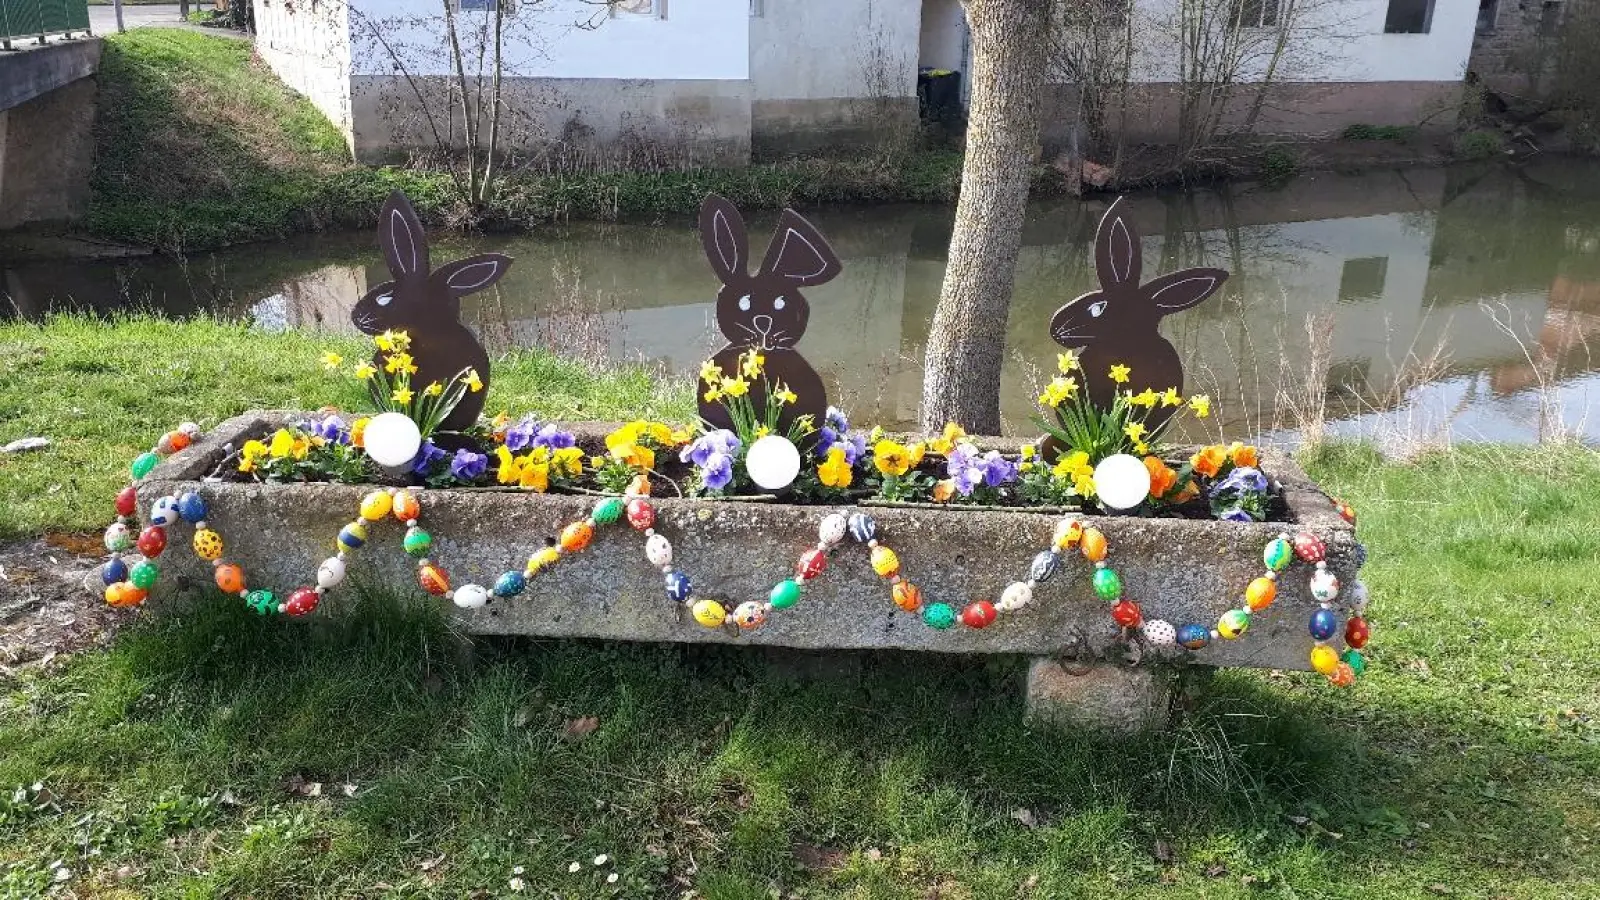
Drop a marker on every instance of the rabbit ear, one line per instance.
(1117, 258)
(404, 243)
(799, 254)
(722, 232)
(1182, 289)
(466, 276)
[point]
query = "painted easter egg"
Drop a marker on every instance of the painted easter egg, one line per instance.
(1068, 534)
(1044, 566)
(1356, 632)
(980, 614)
(1107, 583)
(177, 440)
(607, 511)
(541, 559)
(353, 535)
(1261, 592)
(1324, 624)
(750, 615)
(470, 596)
(1324, 586)
(1126, 613)
(678, 587)
(1194, 637)
(127, 501)
(577, 536)
(1233, 624)
(376, 505)
(207, 544)
(510, 584)
(1278, 554)
(192, 507)
(1356, 661)
(164, 511)
(142, 464)
(907, 596)
(885, 561)
(1309, 547)
(709, 613)
(330, 573)
(152, 541)
(1324, 659)
(301, 602)
(862, 527)
(785, 594)
(1159, 632)
(1016, 595)
(417, 542)
(229, 578)
(263, 602)
(832, 529)
(143, 575)
(118, 537)
(113, 571)
(1343, 676)
(938, 615)
(1094, 545)
(658, 550)
(434, 580)
(811, 564)
(641, 514)
(405, 507)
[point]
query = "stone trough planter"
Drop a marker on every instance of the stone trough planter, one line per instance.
(1179, 570)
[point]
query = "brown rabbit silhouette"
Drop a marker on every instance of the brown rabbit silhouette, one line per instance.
(766, 311)
(426, 304)
(1118, 323)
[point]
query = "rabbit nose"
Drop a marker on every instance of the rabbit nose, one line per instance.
(763, 323)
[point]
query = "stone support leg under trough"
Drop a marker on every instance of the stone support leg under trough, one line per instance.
(1100, 695)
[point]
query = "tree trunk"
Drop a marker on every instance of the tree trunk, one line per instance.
(967, 345)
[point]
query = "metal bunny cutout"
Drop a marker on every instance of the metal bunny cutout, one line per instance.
(766, 311)
(426, 304)
(1117, 324)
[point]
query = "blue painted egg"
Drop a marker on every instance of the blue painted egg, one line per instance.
(510, 584)
(862, 528)
(678, 587)
(114, 571)
(1194, 637)
(192, 507)
(353, 535)
(1324, 624)
(1044, 566)
(164, 511)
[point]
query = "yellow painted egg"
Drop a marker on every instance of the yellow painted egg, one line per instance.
(207, 544)
(542, 559)
(1324, 659)
(884, 561)
(709, 613)
(376, 505)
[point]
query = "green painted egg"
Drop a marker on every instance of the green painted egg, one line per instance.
(607, 511)
(143, 463)
(938, 615)
(1279, 553)
(143, 575)
(1107, 583)
(418, 542)
(785, 594)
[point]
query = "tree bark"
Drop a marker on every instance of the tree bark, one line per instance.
(961, 380)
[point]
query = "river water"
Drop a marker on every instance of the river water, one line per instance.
(1415, 307)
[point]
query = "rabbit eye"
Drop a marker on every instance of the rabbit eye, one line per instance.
(778, 303)
(1096, 308)
(744, 303)
(383, 299)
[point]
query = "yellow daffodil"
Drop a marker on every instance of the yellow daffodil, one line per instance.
(710, 372)
(735, 387)
(250, 454)
(1170, 397)
(915, 453)
(399, 361)
(891, 458)
(1072, 464)
(1120, 373)
(1058, 391)
(433, 389)
(1141, 448)
(807, 424)
(1083, 483)
(1145, 398)
(474, 383)
(946, 442)
(1066, 362)
(402, 395)
(835, 472)
(1201, 404)
(786, 396)
(365, 371)
(385, 342)
(762, 431)
(713, 394)
(1134, 430)
(751, 363)
(332, 361)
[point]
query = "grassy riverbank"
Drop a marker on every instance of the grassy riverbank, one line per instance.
(222, 754)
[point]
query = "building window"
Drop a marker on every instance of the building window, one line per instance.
(649, 9)
(1256, 13)
(1409, 17)
(1488, 11)
(1362, 279)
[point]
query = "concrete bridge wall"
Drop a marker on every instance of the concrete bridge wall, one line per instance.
(47, 105)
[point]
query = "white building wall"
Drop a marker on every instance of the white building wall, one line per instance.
(831, 49)
(309, 48)
(942, 43)
(696, 39)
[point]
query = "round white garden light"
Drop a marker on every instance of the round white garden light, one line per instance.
(773, 462)
(392, 439)
(1121, 481)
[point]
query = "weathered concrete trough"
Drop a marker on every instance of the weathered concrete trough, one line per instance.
(1178, 570)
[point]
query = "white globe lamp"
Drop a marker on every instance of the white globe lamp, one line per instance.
(773, 462)
(1121, 481)
(392, 439)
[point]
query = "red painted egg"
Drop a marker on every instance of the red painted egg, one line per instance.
(1126, 613)
(1309, 547)
(641, 514)
(978, 615)
(433, 580)
(811, 564)
(152, 541)
(1356, 632)
(127, 501)
(301, 602)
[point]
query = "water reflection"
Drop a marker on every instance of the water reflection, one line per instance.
(1413, 306)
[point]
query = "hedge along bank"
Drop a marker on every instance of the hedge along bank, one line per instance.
(774, 528)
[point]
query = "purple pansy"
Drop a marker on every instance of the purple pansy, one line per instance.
(519, 437)
(552, 437)
(700, 451)
(468, 466)
(1241, 480)
(1235, 514)
(426, 457)
(997, 470)
(966, 468)
(717, 471)
(330, 428)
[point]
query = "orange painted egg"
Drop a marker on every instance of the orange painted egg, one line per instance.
(433, 580)
(1261, 592)
(1094, 545)
(907, 596)
(405, 506)
(230, 578)
(576, 536)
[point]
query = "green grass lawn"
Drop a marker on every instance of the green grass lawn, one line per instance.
(180, 762)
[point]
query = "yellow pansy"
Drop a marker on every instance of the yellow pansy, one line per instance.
(507, 472)
(332, 361)
(358, 433)
(282, 444)
(751, 363)
(947, 441)
(474, 383)
(635, 456)
(567, 462)
(681, 436)
(401, 395)
(915, 453)
(623, 436)
(1071, 464)
(1170, 397)
(658, 432)
(1201, 404)
(250, 454)
(1120, 373)
(835, 472)
(365, 371)
(1066, 362)
(535, 476)
(1083, 483)
(891, 458)
(1027, 452)
(944, 490)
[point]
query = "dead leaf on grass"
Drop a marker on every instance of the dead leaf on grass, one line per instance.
(77, 544)
(575, 729)
(1163, 853)
(428, 865)
(1216, 870)
(818, 859)
(1026, 817)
